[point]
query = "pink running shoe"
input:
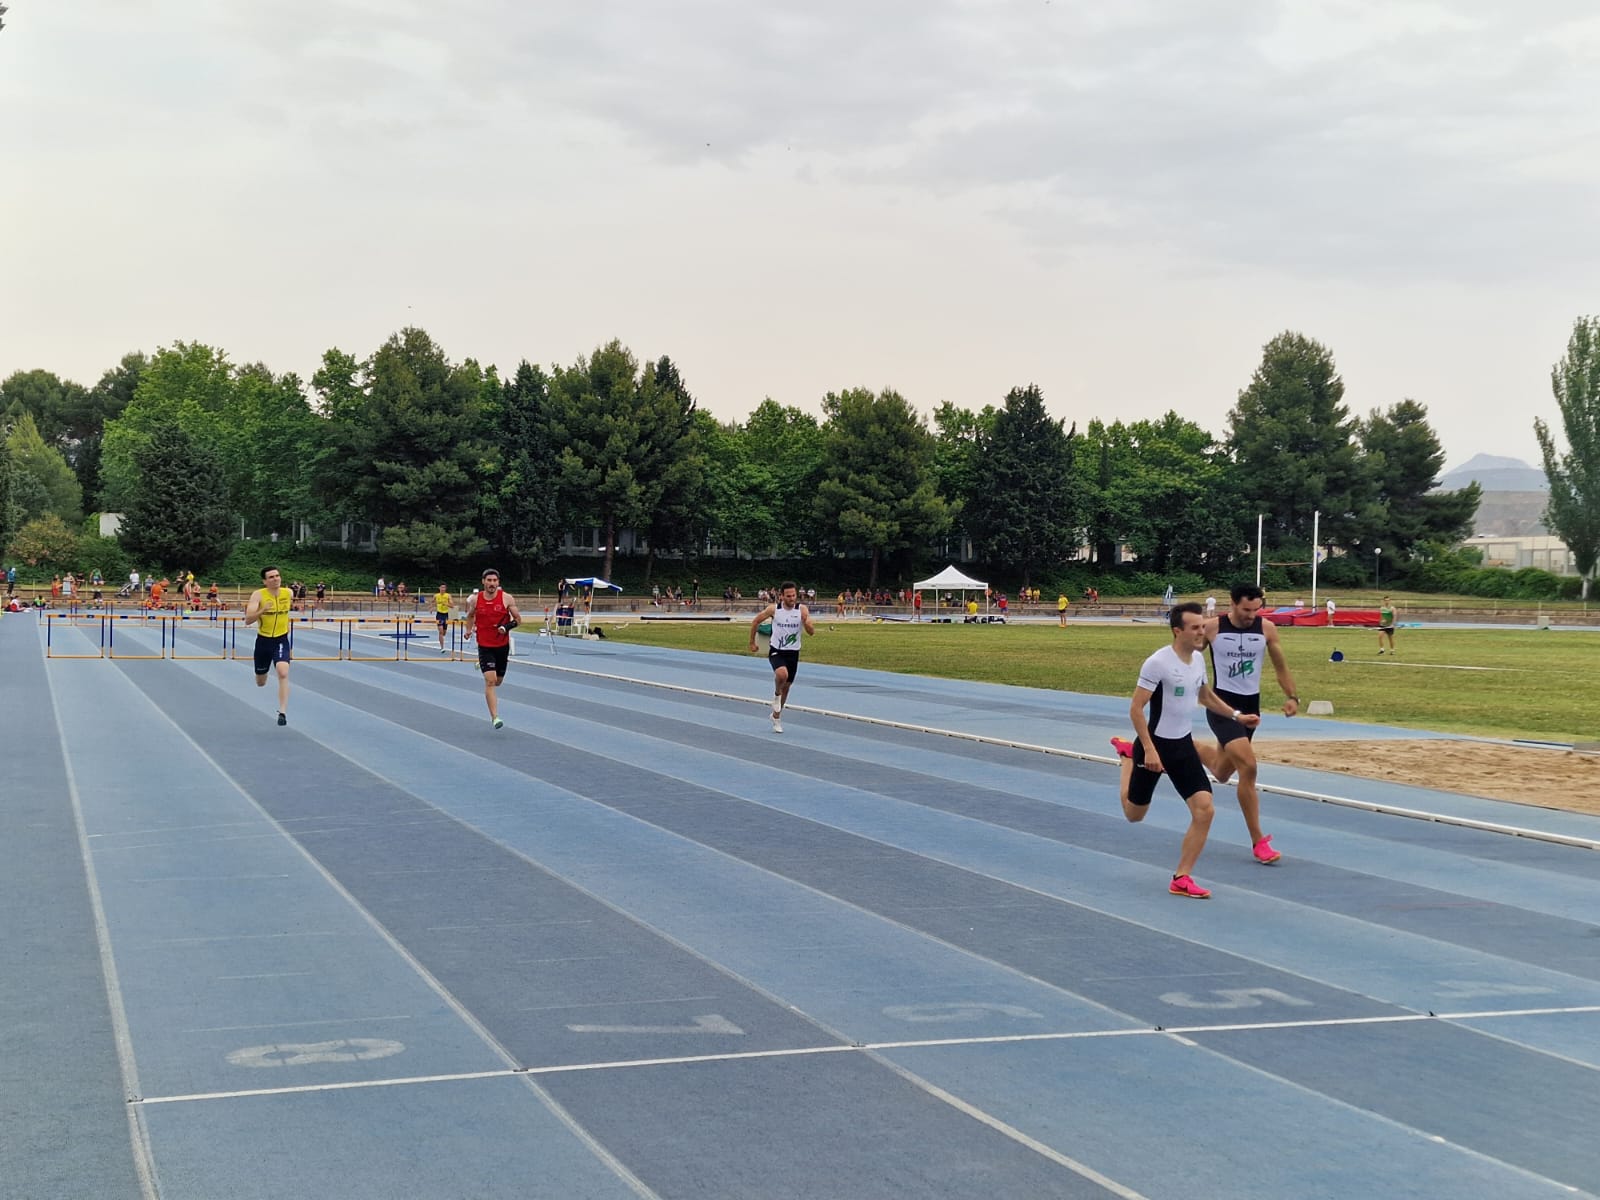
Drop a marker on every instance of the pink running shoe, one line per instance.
(1123, 747)
(1264, 852)
(1184, 885)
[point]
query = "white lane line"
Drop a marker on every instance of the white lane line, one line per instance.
(1061, 752)
(203, 878)
(1182, 1033)
(617, 1167)
(144, 1163)
(620, 1003)
(268, 975)
(102, 851)
(1006, 1129)
(250, 937)
(111, 833)
(296, 1024)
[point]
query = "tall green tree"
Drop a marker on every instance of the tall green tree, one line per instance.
(785, 445)
(44, 482)
(55, 404)
(959, 440)
(1162, 489)
(742, 496)
(1403, 460)
(177, 512)
(1292, 443)
(618, 431)
(1026, 504)
(520, 516)
(107, 401)
(878, 493)
(46, 541)
(678, 518)
(1574, 475)
(189, 384)
(10, 517)
(411, 449)
(280, 451)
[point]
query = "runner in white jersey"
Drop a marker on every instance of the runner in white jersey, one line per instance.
(1241, 641)
(789, 620)
(1172, 682)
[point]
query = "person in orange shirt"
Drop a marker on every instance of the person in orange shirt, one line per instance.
(156, 589)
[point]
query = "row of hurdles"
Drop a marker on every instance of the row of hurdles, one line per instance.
(213, 635)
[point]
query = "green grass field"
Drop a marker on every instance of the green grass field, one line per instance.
(1535, 684)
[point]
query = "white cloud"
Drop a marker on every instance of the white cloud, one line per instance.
(950, 196)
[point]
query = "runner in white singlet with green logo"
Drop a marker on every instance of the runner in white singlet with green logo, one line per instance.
(789, 620)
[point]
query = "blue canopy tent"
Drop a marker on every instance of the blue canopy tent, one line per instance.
(586, 586)
(593, 582)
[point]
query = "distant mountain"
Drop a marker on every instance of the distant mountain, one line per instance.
(1496, 473)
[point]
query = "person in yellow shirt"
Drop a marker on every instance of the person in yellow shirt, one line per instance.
(441, 610)
(1061, 609)
(268, 610)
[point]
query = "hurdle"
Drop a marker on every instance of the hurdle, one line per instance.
(145, 619)
(222, 650)
(350, 631)
(455, 645)
(49, 644)
(295, 653)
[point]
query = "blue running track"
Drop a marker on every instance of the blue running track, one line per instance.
(637, 945)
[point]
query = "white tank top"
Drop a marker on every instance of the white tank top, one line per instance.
(1238, 657)
(786, 628)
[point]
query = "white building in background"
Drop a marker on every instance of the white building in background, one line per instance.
(1546, 552)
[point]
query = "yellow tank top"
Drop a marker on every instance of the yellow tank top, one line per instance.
(441, 602)
(274, 613)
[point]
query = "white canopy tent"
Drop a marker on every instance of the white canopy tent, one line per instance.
(952, 580)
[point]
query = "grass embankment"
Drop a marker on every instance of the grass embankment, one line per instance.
(1535, 684)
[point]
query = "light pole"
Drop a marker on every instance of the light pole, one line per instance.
(1377, 561)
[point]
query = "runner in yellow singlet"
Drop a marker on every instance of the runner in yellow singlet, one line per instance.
(268, 610)
(441, 610)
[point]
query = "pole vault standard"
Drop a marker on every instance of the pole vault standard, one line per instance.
(1316, 554)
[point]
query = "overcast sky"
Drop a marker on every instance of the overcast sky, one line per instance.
(1120, 202)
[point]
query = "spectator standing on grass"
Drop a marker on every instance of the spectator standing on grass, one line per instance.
(1386, 625)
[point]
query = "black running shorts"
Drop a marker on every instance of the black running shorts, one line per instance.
(1226, 728)
(270, 650)
(494, 658)
(1181, 763)
(785, 658)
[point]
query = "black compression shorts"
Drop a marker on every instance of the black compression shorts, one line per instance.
(1181, 763)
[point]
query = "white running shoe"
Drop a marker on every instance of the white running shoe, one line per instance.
(777, 725)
